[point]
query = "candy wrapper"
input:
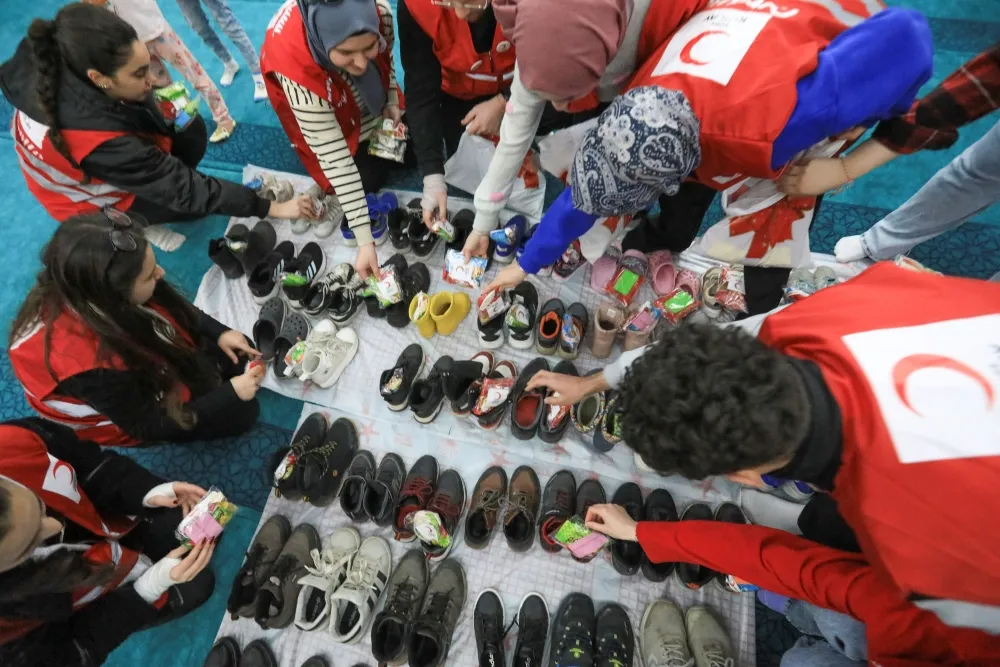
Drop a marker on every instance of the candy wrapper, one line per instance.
(624, 285)
(294, 357)
(518, 316)
(444, 229)
(459, 272)
(492, 304)
(581, 541)
(206, 519)
(393, 384)
(556, 414)
(731, 294)
(494, 392)
(676, 305)
(423, 303)
(389, 141)
(504, 236)
(430, 529)
(643, 318)
(384, 287)
(176, 100)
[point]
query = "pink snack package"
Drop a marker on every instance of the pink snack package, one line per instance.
(206, 520)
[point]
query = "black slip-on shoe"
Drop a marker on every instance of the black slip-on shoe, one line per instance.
(659, 507)
(627, 556)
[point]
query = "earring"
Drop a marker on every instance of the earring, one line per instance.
(104, 86)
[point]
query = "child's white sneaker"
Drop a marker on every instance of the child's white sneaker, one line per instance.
(351, 605)
(326, 359)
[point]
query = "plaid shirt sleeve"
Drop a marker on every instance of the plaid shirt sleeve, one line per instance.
(969, 93)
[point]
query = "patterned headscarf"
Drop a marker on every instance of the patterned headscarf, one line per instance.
(645, 144)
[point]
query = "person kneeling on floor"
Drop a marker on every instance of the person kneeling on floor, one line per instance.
(864, 391)
(105, 345)
(88, 554)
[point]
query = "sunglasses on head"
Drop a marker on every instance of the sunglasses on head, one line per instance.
(120, 224)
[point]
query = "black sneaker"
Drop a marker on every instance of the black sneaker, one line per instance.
(494, 416)
(260, 242)
(523, 500)
(448, 502)
(614, 641)
(572, 640)
(258, 653)
(527, 407)
(432, 630)
(416, 278)
(691, 575)
(659, 507)
(418, 487)
(323, 468)
(491, 333)
(522, 316)
(590, 493)
(422, 240)
(532, 631)
(428, 393)
(287, 474)
(319, 297)
(485, 506)
(608, 432)
(627, 556)
(383, 490)
(550, 320)
(344, 304)
(396, 383)
(403, 596)
(462, 222)
(300, 271)
(463, 375)
(372, 304)
(557, 418)
(729, 513)
(224, 258)
(398, 221)
(352, 494)
(557, 506)
(225, 653)
(263, 551)
(489, 625)
(263, 280)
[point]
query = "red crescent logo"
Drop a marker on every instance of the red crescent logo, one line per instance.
(685, 54)
(63, 464)
(915, 362)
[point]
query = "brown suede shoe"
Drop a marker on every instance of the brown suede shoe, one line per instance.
(522, 509)
(484, 507)
(608, 320)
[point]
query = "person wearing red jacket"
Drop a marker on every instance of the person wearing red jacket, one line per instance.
(884, 392)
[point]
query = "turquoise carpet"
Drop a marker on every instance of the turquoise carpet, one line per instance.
(237, 466)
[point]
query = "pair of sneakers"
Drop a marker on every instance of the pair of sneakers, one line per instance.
(442, 494)
(370, 491)
(695, 576)
(337, 294)
(331, 214)
(448, 379)
(324, 354)
(561, 500)
(581, 637)
(668, 638)
(628, 558)
(561, 330)
(508, 238)
(532, 623)
(266, 587)
(518, 320)
(343, 583)
(312, 468)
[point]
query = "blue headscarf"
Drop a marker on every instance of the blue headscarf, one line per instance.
(330, 22)
(645, 144)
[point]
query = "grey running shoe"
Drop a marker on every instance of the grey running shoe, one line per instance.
(263, 551)
(278, 597)
(403, 596)
(708, 640)
(662, 637)
(430, 634)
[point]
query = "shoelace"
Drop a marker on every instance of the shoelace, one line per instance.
(577, 631)
(321, 339)
(517, 504)
(716, 655)
(613, 649)
(420, 487)
(328, 563)
(362, 572)
(491, 503)
(402, 598)
(670, 654)
(441, 503)
(439, 605)
(282, 569)
(322, 454)
(255, 558)
(564, 502)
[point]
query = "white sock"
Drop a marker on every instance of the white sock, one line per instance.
(849, 249)
(165, 239)
(259, 89)
(229, 73)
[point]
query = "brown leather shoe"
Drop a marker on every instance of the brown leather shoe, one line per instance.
(484, 507)
(522, 509)
(608, 320)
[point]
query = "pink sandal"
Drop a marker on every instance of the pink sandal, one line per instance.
(662, 273)
(604, 268)
(690, 281)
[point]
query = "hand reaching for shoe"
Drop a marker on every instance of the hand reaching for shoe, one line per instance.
(366, 261)
(508, 278)
(613, 521)
(567, 389)
(477, 245)
(296, 208)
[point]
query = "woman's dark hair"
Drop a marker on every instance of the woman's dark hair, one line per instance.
(708, 400)
(81, 37)
(38, 588)
(83, 272)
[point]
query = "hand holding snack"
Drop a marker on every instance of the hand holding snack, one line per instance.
(613, 521)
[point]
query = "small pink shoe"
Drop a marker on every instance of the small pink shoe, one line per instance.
(662, 273)
(604, 267)
(690, 281)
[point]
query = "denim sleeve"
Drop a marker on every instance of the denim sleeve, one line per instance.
(561, 225)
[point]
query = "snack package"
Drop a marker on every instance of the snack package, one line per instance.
(423, 303)
(384, 287)
(642, 319)
(444, 229)
(504, 236)
(518, 316)
(731, 294)
(494, 392)
(459, 272)
(492, 304)
(430, 529)
(556, 414)
(737, 585)
(393, 384)
(206, 519)
(294, 357)
(581, 541)
(624, 285)
(177, 102)
(389, 141)
(676, 305)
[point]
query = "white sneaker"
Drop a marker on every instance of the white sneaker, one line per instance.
(300, 226)
(333, 214)
(351, 605)
(319, 336)
(325, 361)
(329, 572)
(229, 73)
(259, 89)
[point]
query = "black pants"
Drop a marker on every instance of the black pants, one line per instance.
(189, 147)
(236, 418)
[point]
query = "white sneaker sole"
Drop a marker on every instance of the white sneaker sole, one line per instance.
(261, 300)
(522, 344)
(433, 416)
(491, 344)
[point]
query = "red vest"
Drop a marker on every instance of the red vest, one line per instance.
(465, 74)
(59, 186)
(738, 63)
(25, 459)
(913, 360)
(73, 350)
(286, 52)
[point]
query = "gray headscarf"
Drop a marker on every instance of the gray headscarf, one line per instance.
(330, 22)
(645, 144)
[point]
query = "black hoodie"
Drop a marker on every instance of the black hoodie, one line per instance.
(131, 162)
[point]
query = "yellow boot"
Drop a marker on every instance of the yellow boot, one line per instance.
(448, 310)
(425, 324)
